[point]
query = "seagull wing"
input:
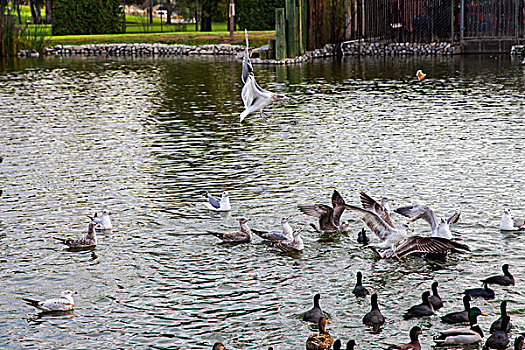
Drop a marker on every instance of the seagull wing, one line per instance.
(214, 201)
(370, 204)
(247, 68)
(374, 222)
(416, 212)
(271, 235)
(454, 218)
(323, 212)
(420, 244)
(57, 304)
(337, 201)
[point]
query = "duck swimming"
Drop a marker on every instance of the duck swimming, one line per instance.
(506, 280)
(414, 341)
(459, 316)
(462, 335)
(218, 346)
(423, 309)
(322, 340)
(349, 346)
(329, 217)
(242, 236)
(499, 339)
(518, 343)
(362, 238)
(435, 299)
(359, 290)
(314, 314)
(374, 316)
(484, 292)
(498, 324)
(218, 204)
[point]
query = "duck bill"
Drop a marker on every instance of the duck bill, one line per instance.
(483, 314)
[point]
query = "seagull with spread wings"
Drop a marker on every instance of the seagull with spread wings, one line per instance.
(254, 97)
(416, 212)
(394, 237)
(329, 217)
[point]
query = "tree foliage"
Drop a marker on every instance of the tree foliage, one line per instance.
(256, 14)
(87, 17)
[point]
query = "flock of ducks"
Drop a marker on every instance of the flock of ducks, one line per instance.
(395, 241)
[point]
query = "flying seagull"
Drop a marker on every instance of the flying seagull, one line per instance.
(89, 240)
(416, 212)
(329, 217)
(64, 303)
(218, 204)
(254, 97)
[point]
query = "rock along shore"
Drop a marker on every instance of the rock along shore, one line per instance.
(352, 48)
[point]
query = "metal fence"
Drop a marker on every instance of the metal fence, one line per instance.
(434, 20)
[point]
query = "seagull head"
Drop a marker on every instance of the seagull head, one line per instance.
(105, 212)
(225, 194)
(297, 232)
(243, 220)
(285, 220)
(67, 294)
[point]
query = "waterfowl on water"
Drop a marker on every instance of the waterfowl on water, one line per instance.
(64, 303)
(285, 234)
(314, 314)
(518, 343)
(370, 204)
(420, 244)
(219, 346)
(506, 280)
(87, 241)
(441, 229)
(242, 236)
(462, 335)
(499, 339)
(349, 346)
(287, 245)
(253, 96)
(322, 340)
(459, 316)
(435, 299)
(359, 290)
(374, 316)
(423, 309)
(498, 324)
(508, 223)
(362, 237)
(103, 222)
(484, 292)
(218, 204)
(329, 217)
(414, 340)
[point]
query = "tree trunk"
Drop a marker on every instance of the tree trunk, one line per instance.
(206, 11)
(33, 12)
(49, 11)
(38, 10)
(168, 7)
(17, 5)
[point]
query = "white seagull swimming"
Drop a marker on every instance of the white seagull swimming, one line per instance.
(508, 223)
(254, 97)
(218, 204)
(416, 212)
(103, 222)
(64, 303)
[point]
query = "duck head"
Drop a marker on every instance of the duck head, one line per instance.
(414, 333)
(323, 321)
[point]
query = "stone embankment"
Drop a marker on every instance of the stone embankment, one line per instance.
(352, 48)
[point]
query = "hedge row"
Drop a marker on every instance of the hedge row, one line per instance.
(71, 17)
(256, 14)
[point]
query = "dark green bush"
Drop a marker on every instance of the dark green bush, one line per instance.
(256, 14)
(72, 17)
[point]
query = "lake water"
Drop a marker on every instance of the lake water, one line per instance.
(145, 139)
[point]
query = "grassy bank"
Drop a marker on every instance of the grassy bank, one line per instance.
(186, 38)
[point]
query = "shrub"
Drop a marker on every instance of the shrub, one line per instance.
(256, 14)
(87, 17)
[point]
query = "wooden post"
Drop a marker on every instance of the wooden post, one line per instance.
(280, 34)
(311, 25)
(304, 25)
(452, 21)
(297, 41)
(291, 43)
(300, 26)
(516, 20)
(231, 12)
(271, 48)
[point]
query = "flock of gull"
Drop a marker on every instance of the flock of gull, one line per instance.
(395, 242)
